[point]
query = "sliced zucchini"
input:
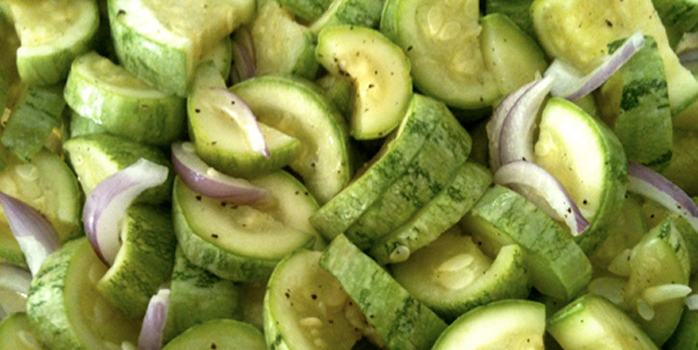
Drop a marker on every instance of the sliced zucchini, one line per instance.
(16, 333)
(594, 175)
(469, 183)
(244, 243)
(361, 13)
(401, 321)
(198, 296)
(121, 103)
(300, 109)
(306, 10)
(306, 308)
(95, 157)
(500, 325)
(558, 266)
(684, 161)
(219, 334)
(144, 261)
(442, 40)
(592, 322)
(579, 31)
(52, 34)
(380, 72)
(66, 311)
(516, 10)
(452, 275)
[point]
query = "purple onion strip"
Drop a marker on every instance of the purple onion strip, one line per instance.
(153, 327)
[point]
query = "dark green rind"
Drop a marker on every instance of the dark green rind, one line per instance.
(219, 261)
(307, 10)
(197, 296)
(391, 162)
(157, 120)
(516, 10)
(401, 320)
(219, 334)
(282, 102)
(447, 146)
(16, 333)
(680, 16)
(364, 13)
(644, 124)
(469, 183)
(144, 262)
(123, 152)
(685, 337)
(38, 112)
(558, 266)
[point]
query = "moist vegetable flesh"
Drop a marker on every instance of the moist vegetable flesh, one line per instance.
(367, 178)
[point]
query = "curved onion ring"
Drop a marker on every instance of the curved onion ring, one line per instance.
(203, 179)
(35, 234)
(153, 326)
(107, 204)
(535, 183)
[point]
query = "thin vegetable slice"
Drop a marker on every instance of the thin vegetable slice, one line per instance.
(154, 321)
(107, 204)
(36, 236)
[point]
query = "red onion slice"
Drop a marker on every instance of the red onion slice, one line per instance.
(35, 234)
(15, 279)
(153, 326)
(244, 56)
(207, 181)
(516, 139)
(689, 59)
(494, 125)
(107, 204)
(221, 99)
(535, 183)
(649, 183)
(572, 85)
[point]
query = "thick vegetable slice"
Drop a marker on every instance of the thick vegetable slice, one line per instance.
(400, 320)
(16, 333)
(219, 334)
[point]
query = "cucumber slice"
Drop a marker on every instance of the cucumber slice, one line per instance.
(516, 10)
(510, 54)
(400, 320)
(594, 175)
(219, 334)
(558, 266)
(680, 16)
(162, 43)
(80, 126)
(300, 109)
(684, 161)
(442, 40)
(281, 45)
(392, 162)
(52, 33)
(360, 13)
(340, 90)
(686, 334)
(452, 275)
(380, 72)
(122, 104)
(306, 10)
(244, 243)
(635, 104)
(65, 309)
(221, 141)
(306, 308)
(592, 322)
(48, 185)
(198, 296)
(38, 111)
(16, 333)
(578, 31)
(144, 261)
(98, 156)
(469, 183)
(504, 324)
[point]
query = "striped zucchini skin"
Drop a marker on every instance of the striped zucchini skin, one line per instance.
(401, 320)
(64, 308)
(307, 10)
(469, 183)
(390, 164)
(558, 266)
(364, 13)
(138, 272)
(447, 146)
(126, 107)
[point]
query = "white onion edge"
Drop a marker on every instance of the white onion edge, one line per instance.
(572, 85)
(15, 279)
(36, 236)
(544, 184)
(106, 205)
(692, 302)
(153, 327)
(648, 183)
(209, 182)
